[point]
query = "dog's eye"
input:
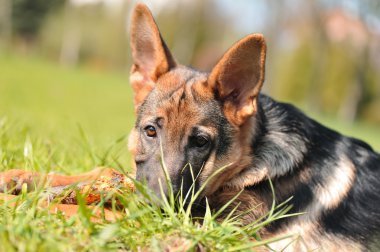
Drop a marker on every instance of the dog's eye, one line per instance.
(200, 141)
(150, 131)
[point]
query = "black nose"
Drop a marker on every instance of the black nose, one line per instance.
(139, 161)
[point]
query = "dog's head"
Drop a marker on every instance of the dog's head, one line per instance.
(194, 122)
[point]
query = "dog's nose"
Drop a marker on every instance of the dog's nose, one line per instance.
(139, 161)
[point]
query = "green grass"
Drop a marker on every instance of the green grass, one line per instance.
(55, 104)
(72, 120)
(28, 227)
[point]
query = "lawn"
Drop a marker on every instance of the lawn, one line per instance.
(72, 120)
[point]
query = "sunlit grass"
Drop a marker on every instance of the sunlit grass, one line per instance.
(29, 227)
(72, 120)
(52, 98)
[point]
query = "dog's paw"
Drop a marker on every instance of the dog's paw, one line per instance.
(11, 181)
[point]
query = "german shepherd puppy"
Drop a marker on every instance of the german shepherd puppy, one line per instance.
(210, 120)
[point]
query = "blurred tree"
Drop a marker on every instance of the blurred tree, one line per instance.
(92, 33)
(71, 38)
(28, 16)
(5, 21)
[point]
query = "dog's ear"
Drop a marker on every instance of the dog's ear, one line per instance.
(151, 57)
(238, 77)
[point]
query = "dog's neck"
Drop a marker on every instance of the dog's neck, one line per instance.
(277, 148)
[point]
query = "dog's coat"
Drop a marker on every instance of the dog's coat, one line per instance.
(217, 119)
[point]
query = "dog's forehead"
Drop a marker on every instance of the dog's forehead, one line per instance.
(181, 86)
(177, 78)
(181, 96)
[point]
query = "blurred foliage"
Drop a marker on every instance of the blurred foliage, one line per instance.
(322, 55)
(28, 15)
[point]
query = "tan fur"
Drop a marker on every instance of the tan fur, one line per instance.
(34, 178)
(238, 70)
(11, 181)
(238, 160)
(306, 236)
(151, 56)
(141, 87)
(132, 147)
(66, 210)
(331, 193)
(203, 90)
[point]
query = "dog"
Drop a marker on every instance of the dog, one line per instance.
(220, 119)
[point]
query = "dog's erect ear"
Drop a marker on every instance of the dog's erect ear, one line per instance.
(238, 77)
(151, 57)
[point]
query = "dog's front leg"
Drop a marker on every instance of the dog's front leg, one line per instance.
(11, 181)
(67, 210)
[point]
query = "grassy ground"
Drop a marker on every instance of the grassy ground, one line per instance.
(71, 120)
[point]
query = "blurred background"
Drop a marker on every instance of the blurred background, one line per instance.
(65, 63)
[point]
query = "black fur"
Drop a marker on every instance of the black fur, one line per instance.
(309, 145)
